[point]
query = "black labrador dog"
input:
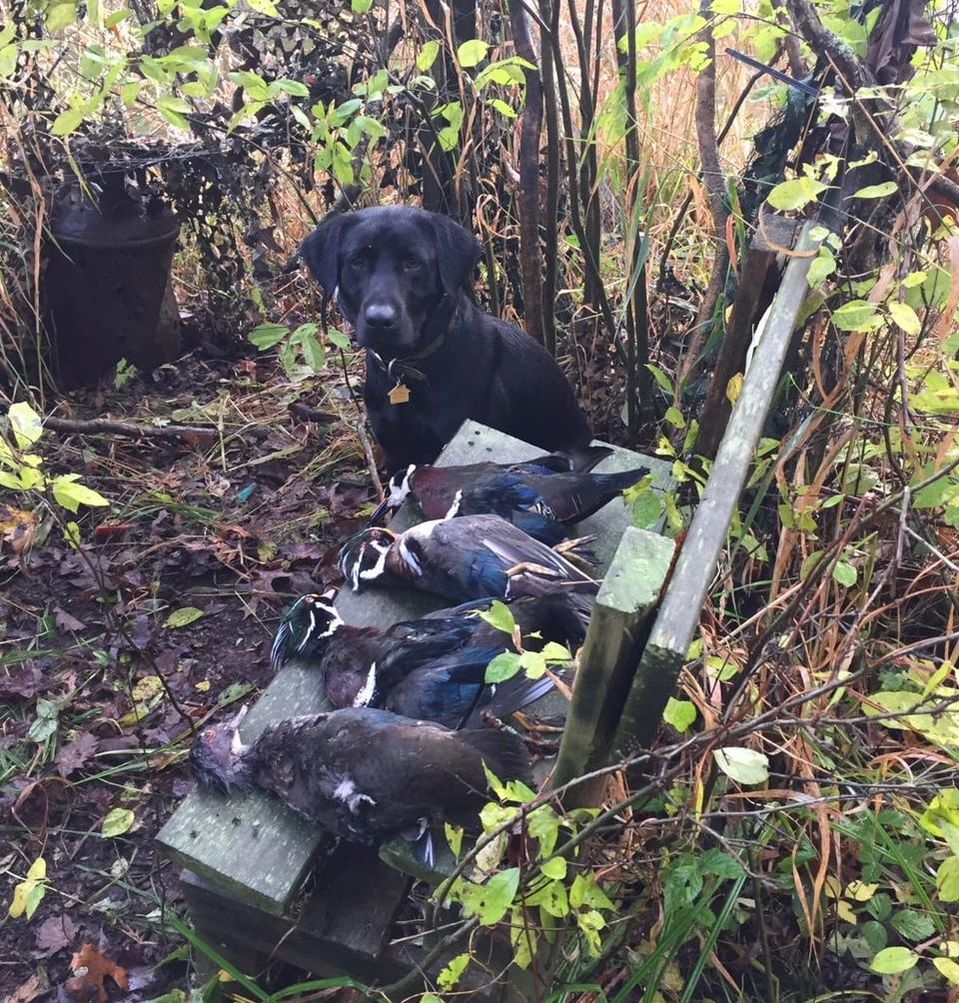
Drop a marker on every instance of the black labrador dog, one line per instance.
(433, 358)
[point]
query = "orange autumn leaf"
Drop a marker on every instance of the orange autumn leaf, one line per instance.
(90, 968)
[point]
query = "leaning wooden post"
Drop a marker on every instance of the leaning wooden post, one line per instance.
(617, 629)
(678, 619)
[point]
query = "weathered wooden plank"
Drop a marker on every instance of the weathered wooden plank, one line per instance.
(678, 618)
(250, 843)
(608, 660)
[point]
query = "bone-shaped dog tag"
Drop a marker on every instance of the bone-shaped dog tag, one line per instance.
(400, 394)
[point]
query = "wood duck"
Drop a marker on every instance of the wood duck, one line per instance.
(364, 774)
(466, 558)
(433, 668)
(543, 497)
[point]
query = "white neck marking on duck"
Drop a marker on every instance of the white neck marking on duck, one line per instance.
(365, 693)
(400, 487)
(411, 560)
(334, 626)
(455, 507)
(378, 568)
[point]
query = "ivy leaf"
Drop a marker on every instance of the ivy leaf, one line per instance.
(892, 960)
(745, 766)
(472, 53)
(117, 822)
(71, 494)
(913, 925)
(499, 616)
(453, 972)
(504, 666)
(183, 617)
(795, 194)
(679, 714)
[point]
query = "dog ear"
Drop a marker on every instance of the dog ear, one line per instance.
(457, 251)
(321, 250)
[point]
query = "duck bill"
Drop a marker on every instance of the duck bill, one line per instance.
(383, 509)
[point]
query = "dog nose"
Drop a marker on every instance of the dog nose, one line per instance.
(380, 315)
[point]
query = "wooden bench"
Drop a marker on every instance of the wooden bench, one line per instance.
(261, 883)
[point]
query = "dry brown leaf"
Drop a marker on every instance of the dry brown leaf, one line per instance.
(90, 968)
(54, 934)
(30, 990)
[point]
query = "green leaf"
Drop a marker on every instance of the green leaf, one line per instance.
(68, 121)
(71, 533)
(554, 868)
(504, 666)
(25, 423)
(877, 191)
(117, 822)
(291, 87)
(314, 353)
(874, 934)
(45, 725)
(427, 55)
(913, 925)
(880, 907)
(498, 895)
(661, 378)
(60, 16)
(856, 315)
(453, 972)
(339, 340)
(892, 960)
(8, 60)
(361, 6)
(795, 194)
(948, 969)
(454, 838)
(266, 336)
(586, 892)
(543, 825)
(721, 863)
(71, 494)
(34, 898)
(679, 714)
(947, 880)
(183, 617)
(173, 109)
(745, 766)
(503, 108)
(904, 315)
(845, 573)
(675, 417)
(472, 53)
(500, 617)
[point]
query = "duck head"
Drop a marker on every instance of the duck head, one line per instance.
(398, 490)
(363, 557)
(219, 759)
(305, 628)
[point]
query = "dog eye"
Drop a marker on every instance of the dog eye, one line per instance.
(412, 264)
(358, 263)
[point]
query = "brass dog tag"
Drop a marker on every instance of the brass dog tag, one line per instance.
(400, 394)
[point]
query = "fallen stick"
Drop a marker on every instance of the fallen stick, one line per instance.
(108, 426)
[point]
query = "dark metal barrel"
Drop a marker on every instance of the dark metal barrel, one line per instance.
(106, 280)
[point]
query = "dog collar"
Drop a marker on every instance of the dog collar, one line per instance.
(401, 370)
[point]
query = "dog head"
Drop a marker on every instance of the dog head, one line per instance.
(388, 268)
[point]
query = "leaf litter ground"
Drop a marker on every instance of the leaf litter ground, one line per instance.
(111, 655)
